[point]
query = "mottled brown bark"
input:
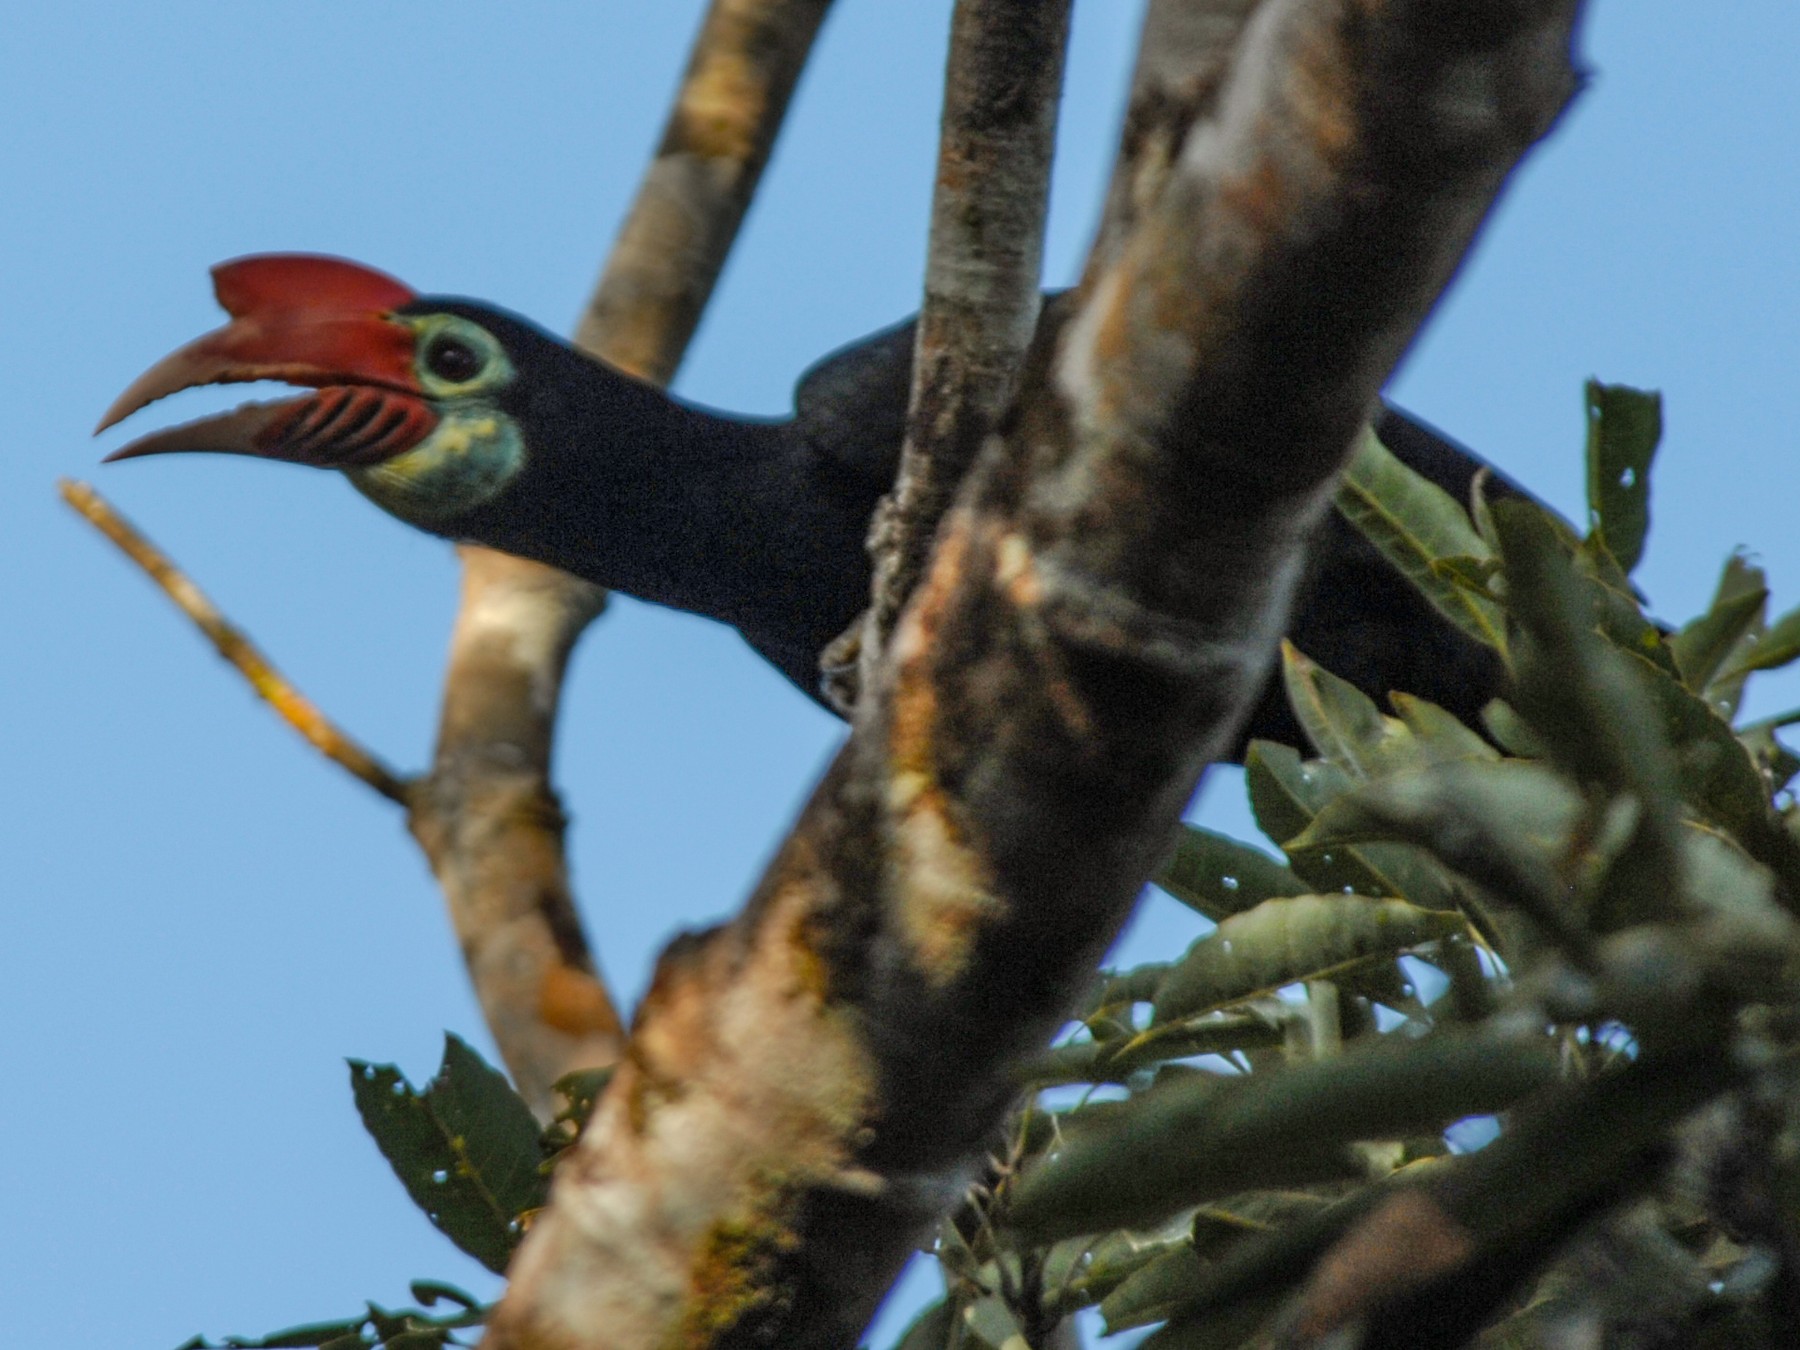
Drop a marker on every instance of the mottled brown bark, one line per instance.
(1001, 92)
(807, 1087)
(487, 816)
(492, 828)
(1183, 55)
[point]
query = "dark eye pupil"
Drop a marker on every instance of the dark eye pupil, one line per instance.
(453, 359)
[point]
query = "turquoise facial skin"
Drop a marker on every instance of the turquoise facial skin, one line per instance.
(474, 451)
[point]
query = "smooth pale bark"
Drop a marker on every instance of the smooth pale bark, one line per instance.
(982, 277)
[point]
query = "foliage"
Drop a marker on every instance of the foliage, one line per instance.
(1571, 932)
(406, 1329)
(1576, 929)
(468, 1151)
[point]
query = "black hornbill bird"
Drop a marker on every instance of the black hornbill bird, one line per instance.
(475, 424)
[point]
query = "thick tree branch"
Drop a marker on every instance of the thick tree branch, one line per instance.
(807, 1087)
(1001, 93)
(1183, 55)
(232, 643)
(487, 817)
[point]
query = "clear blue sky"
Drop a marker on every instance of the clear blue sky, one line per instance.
(202, 918)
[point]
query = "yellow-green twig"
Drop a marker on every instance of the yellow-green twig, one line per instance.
(232, 643)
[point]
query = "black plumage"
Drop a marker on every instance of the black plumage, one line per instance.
(761, 523)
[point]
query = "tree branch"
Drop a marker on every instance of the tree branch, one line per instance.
(808, 1086)
(1183, 55)
(487, 817)
(745, 64)
(232, 643)
(1001, 93)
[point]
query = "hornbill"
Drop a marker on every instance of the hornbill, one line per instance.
(475, 424)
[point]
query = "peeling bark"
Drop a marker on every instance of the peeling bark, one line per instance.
(810, 1085)
(1001, 93)
(487, 817)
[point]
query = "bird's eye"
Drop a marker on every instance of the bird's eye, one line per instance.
(453, 360)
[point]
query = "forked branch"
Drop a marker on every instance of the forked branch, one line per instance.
(487, 816)
(810, 1085)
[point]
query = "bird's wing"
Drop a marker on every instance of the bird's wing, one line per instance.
(850, 408)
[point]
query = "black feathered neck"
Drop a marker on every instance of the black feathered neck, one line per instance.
(737, 518)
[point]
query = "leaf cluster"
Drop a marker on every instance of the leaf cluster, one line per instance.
(469, 1153)
(1501, 1050)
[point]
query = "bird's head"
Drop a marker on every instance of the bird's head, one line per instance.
(413, 394)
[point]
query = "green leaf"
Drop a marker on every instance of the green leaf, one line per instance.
(1714, 770)
(579, 1090)
(1513, 732)
(432, 1292)
(1286, 793)
(1777, 647)
(1341, 721)
(1167, 1284)
(1620, 618)
(1732, 623)
(466, 1148)
(1133, 1163)
(1154, 1292)
(1106, 1262)
(1774, 760)
(1227, 1328)
(1118, 989)
(430, 1339)
(1299, 938)
(309, 1334)
(1218, 876)
(1442, 737)
(1507, 825)
(988, 1324)
(1120, 1059)
(1219, 1227)
(1580, 694)
(1624, 426)
(1413, 523)
(1475, 575)
(931, 1329)
(410, 1329)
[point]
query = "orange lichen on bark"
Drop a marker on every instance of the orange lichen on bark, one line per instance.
(572, 1001)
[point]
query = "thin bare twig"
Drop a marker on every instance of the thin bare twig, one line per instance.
(232, 643)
